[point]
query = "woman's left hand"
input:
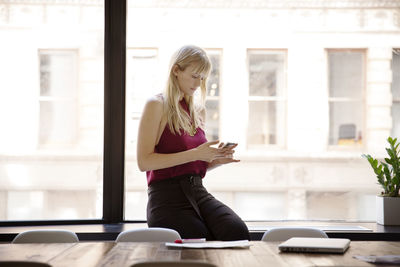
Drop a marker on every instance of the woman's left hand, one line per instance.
(228, 158)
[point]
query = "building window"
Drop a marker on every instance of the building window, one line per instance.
(142, 82)
(213, 94)
(52, 91)
(58, 97)
(346, 76)
(267, 98)
(396, 93)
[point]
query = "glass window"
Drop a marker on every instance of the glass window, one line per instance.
(58, 97)
(268, 91)
(396, 93)
(213, 94)
(351, 205)
(346, 97)
(267, 100)
(51, 101)
(142, 82)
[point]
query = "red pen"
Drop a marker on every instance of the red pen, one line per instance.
(190, 240)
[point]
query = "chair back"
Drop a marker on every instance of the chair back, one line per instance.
(173, 264)
(46, 236)
(284, 233)
(153, 234)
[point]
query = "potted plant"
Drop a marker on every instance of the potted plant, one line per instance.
(388, 174)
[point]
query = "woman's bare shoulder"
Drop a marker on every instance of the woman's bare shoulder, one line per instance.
(156, 101)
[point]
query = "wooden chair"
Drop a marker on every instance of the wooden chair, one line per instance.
(154, 234)
(284, 233)
(46, 236)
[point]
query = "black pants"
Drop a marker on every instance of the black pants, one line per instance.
(183, 204)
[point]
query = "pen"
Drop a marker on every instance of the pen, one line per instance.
(190, 240)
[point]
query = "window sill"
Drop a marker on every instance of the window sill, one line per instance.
(109, 232)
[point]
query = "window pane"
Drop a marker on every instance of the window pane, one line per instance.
(350, 205)
(266, 74)
(266, 123)
(396, 74)
(58, 123)
(346, 75)
(141, 84)
(213, 93)
(396, 120)
(346, 87)
(58, 73)
(277, 92)
(396, 94)
(266, 79)
(212, 120)
(345, 123)
(51, 142)
(213, 82)
(143, 81)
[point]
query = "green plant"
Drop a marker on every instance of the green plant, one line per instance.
(388, 172)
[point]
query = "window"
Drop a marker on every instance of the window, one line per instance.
(346, 97)
(396, 93)
(58, 97)
(213, 94)
(267, 98)
(52, 94)
(142, 82)
(56, 172)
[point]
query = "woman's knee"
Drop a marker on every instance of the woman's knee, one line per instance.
(232, 230)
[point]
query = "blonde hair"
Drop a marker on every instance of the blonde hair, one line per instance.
(177, 117)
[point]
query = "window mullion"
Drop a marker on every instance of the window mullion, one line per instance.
(114, 110)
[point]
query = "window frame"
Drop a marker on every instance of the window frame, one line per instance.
(114, 111)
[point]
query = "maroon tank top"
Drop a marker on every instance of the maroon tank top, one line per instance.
(171, 143)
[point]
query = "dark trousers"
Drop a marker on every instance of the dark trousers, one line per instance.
(183, 204)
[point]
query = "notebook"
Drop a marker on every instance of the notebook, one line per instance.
(317, 245)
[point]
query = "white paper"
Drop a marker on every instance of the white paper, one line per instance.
(387, 259)
(212, 244)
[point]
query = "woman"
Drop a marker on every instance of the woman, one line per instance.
(173, 150)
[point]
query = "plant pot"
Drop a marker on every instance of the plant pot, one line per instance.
(388, 210)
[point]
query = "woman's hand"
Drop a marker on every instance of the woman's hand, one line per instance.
(228, 159)
(228, 151)
(207, 153)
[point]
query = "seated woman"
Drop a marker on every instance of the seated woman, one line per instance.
(173, 150)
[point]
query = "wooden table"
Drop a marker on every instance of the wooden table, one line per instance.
(124, 254)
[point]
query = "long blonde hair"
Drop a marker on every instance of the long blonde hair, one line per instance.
(177, 117)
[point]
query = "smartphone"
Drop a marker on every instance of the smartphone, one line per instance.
(228, 145)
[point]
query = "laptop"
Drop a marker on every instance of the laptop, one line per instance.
(316, 245)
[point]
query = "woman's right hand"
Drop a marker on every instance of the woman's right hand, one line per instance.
(207, 153)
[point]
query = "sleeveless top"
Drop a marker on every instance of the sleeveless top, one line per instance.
(171, 143)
